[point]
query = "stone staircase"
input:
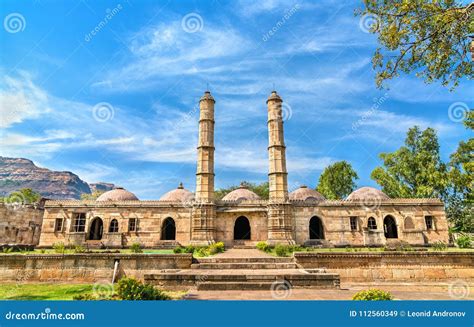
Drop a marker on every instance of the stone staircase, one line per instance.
(251, 273)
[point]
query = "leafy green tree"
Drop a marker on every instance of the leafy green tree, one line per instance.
(91, 196)
(259, 189)
(461, 198)
(415, 170)
(23, 196)
(337, 180)
(429, 38)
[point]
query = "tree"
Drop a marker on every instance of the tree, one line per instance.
(23, 196)
(91, 196)
(260, 189)
(461, 198)
(429, 38)
(337, 181)
(415, 170)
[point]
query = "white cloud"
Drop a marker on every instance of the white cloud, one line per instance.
(20, 100)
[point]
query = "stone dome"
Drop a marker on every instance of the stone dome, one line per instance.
(242, 193)
(304, 193)
(117, 194)
(367, 193)
(178, 194)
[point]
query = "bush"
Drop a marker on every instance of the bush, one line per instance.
(372, 295)
(464, 241)
(439, 246)
(216, 248)
(59, 247)
(79, 249)
(134, 290)
(263, 246)
(178, 249)
(282, 250)
(7, 250)
(136, 248)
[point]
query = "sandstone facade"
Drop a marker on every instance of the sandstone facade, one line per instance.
(367, 218)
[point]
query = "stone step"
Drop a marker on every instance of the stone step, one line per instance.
(232, 286)
(256, 279)
(245, 265)
(247, 260)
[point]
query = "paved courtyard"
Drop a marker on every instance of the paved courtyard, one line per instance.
(400, 291)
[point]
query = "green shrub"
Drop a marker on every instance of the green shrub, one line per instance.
(439, 246)
(189, 249)
(59, 247)
(372, 295)
(134, 290)
(464, 242)
(178, 249)
(263, 246)
(136, 248)
(79, 249)
(216, 248)
(201, 252)
(281, 250)
(7, 250)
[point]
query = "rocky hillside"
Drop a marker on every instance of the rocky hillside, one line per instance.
(16, 173)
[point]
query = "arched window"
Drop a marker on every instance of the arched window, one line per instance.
(408, 224)
(113, 227)
(371, 223)
(316, 230)
(168, 230)
(390, 227)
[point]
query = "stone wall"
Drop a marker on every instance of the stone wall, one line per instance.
(87, 268)
(149, 221)
(20, 225)
(409, 218)
(393, 267)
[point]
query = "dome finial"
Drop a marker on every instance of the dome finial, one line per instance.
(180, 186)
(242, 185)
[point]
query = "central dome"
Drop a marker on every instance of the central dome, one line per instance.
(365, 193)
(178, 194)
(304, 193)
(117, 194)
(240, 194)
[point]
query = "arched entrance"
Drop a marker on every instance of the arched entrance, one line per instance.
(242, 229)
(316, 230)
(390, 227)
(168, 230)
(97, 227)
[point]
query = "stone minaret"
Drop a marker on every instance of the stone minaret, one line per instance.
(279, 208)
(204, 210)
(277, 173)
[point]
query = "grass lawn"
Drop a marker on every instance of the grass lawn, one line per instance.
(42, 291)
(46, 291)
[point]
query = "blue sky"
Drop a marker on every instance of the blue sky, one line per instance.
(119, 104)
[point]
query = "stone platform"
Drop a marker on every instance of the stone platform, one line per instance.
(243, 269)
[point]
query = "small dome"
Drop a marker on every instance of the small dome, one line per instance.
(366, 192)
(242, 193)
(274, 97)
(117, 194)
(304, 193)
(207, 96)
(178, 194)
